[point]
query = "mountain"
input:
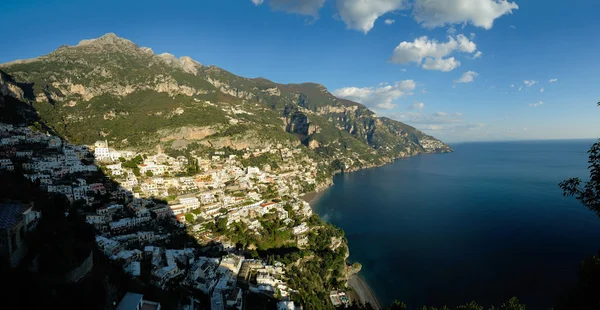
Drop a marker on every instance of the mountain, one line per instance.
(109, 88)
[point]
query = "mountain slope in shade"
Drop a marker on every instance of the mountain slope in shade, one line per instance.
(110, 88)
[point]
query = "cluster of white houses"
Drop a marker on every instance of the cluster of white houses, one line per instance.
(130, 227)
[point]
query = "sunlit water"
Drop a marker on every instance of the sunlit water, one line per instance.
(484, 223)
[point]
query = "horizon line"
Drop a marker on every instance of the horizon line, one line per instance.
(521, 140)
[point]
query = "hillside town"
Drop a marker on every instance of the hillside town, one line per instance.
(171, 221)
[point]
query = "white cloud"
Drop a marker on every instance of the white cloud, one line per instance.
(302, 7)
(389, 21)
(440, 121)
(433, 127)
(433, 52)
(467, 77)
(480, 13)
(520, 88)
(453, 127)
(512, 27)
(541, 90)
(403, 70)
(535, 105)
(477, 55)
(529, 83)
(257, 2)
(361, 15)
(377, 97)
(444, 65)
(417, 106)
(553, 81)
(512, 85)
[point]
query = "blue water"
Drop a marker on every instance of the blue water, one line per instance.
(484, 223)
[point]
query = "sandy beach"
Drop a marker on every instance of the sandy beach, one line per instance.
(363, 291)
(312, 197)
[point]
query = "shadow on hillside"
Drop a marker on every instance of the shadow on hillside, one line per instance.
(63, 240)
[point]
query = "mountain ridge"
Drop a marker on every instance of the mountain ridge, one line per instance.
(111, 88)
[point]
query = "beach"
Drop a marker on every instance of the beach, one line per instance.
(363, 292)
(312, 197)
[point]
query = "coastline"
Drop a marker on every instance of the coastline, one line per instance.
(362, 291)
(312, 197)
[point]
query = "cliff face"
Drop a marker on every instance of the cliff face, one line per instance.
(9, 88)
(110, 88)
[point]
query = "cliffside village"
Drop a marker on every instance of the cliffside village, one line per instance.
(147, 202)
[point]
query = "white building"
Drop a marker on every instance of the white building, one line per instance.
(300, 229)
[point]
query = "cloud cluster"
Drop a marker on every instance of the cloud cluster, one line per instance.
(362, 14)
(480, 13)
(535, 105)
(389, 21)
(302, 7)
(439, 121)
(378, 97)
(417, 106)
(433, 52)
(467, 77)
(529, 83)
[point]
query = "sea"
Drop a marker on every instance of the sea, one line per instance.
(484, 223)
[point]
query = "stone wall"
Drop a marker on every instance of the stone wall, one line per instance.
(81, 271)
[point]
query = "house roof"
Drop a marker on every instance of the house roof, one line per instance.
(9, 213)
(130, 301)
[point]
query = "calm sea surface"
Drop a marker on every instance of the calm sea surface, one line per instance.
(484, 223)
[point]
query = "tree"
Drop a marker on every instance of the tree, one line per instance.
(222, 224)
(584, 295)
(149, 173)
(189, 218)
(587, 193)
(172, 191)
(398, 305)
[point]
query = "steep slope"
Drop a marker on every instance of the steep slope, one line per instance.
(110, 88)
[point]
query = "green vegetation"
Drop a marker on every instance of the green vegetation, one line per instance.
(584, 295)
(147, 114)
(260, 161)
(192, 167)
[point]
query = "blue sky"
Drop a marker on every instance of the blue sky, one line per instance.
(443, 66)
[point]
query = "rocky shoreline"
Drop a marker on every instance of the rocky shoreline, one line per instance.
(362, 292)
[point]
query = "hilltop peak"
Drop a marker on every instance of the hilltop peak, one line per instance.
(107, 39)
